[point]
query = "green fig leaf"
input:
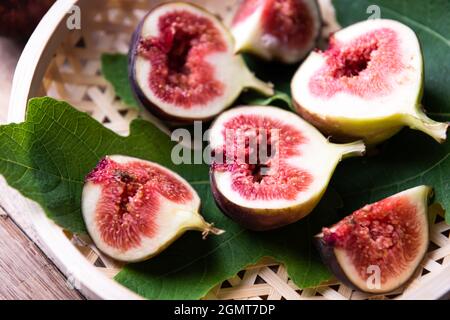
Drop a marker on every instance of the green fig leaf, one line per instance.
(115, 70)
(278, 74)
(47, 157)
(279, 99)
(410, 158)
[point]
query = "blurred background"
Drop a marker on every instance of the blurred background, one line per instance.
(18, 19)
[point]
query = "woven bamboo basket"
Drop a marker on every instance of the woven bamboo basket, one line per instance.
(65, 64)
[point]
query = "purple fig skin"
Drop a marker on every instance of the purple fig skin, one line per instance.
(328, 257)
(260, 219)
(132, 54)
(323, 125)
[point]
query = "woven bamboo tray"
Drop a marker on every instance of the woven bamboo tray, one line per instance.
(65, 64)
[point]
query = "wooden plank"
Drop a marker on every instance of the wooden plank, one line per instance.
(25, 271)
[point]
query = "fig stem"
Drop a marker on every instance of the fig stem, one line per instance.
(354, 149)
(252, 82)
(420, 121)
(261, 86)
(209, 228)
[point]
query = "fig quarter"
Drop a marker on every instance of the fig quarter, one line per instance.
(378, 248)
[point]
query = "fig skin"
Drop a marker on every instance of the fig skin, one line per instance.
(328, 255)
(265, 89)
(372, 132)
(329, 259)
(269, 56)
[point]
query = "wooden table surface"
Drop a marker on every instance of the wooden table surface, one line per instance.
(25, 271)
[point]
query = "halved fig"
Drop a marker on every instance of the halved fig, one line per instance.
(378, 248)
(367, 85)
(133, 209)
(182, 65)
(284, 30)
(270, 167)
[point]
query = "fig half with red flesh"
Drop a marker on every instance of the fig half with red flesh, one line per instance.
(270, 167)
(387, 239)
(367, 85)
(284, 30)
(133, 209)
(183, 67)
